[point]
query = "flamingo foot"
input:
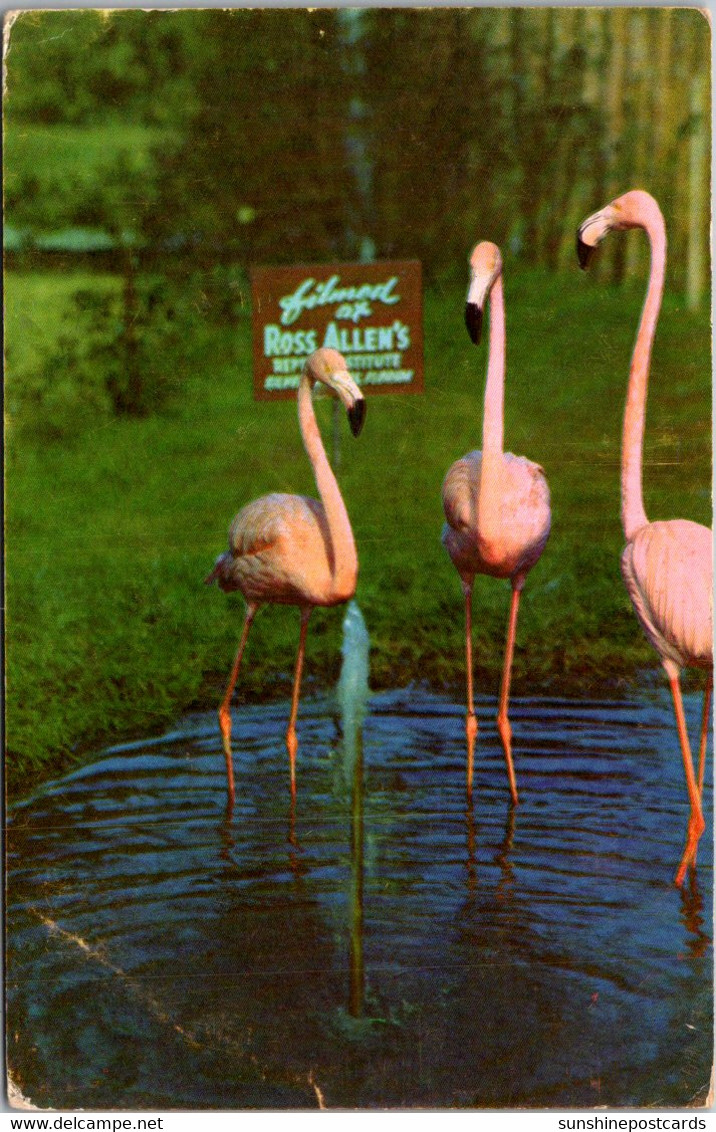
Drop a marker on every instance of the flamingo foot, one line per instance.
(505, 729)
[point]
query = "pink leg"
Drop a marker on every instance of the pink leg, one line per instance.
(224, 707)
(705, 719)
(704, 739)
(696, 820)
(503, 723)
(291, 740)
(470, 718)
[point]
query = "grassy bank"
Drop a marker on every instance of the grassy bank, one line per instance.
(110, 631)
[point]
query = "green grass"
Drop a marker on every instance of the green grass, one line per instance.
(110, 630)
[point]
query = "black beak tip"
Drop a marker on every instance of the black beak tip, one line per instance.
(356, 416)
(585, 252)
(473, 322)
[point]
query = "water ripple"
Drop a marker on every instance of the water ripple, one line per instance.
(382, 941)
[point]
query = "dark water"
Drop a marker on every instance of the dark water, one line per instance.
(380, 947)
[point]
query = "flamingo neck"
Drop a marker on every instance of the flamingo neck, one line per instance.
(632, 509)
(342, 551)
(493, 419)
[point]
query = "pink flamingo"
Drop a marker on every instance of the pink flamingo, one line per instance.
(496, 504)
(667, 566)
(292, 549)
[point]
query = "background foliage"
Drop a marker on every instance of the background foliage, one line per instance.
(151, 157)
(300, 133)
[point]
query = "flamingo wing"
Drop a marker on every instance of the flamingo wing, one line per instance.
(279, 550)
(269, 521)
(459, 492)
(526, 509)
(668, 573)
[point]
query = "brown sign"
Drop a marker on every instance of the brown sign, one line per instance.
(370, 312)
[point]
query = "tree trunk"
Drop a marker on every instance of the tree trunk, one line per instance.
(696, 255)
(132, 393)
(612, 260)
(635, 257)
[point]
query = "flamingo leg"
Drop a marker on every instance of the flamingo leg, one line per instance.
(704, 739)
(503, 723)
(696, 820)
(470, 718)
(225, 705)
(704, 733)
(291, 740)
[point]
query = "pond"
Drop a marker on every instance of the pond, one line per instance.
(379, 945)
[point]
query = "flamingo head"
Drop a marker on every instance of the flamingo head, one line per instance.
(632, 210)
(329, 368)
(485, 269)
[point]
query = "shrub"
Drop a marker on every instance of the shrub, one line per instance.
(117, 354)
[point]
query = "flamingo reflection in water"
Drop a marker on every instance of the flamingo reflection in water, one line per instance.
(291, 549)
(667, 566)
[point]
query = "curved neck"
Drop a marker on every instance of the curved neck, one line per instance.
(633, 513)
(493, 416)
(342, 552)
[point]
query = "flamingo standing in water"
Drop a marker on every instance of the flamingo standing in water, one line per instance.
(496, 504)
(667, 566)
(292, 549)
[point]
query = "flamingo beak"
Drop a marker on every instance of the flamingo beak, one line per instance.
(351, 397)
(473, 321)
(483, 277)
(356, 416)
(585, 252)
(591, 233)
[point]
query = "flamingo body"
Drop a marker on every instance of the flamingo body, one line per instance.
(523, 517)
(667, 565)
(496, 504)
(280, 550)
(667, 571)
(291, 549)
